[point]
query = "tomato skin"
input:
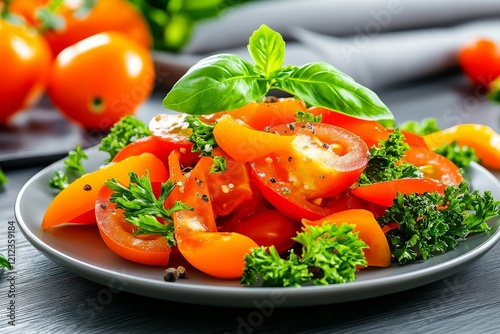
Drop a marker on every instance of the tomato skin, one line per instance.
(118, 235)
(269, 227)
(383, 193)
(26, 60)
(64, 208)
(434, 166)
(480, 60)
(370, 131)
(378, 254)
(101, 79)
(106, 15)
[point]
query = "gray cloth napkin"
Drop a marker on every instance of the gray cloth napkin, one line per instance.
(377, 42)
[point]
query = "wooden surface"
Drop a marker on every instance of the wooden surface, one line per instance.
(50, 299)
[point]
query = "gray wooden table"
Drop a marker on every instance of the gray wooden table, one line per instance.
(49, 299)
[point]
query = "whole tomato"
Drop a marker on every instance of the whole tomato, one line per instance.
(480, 60)
(101, 79)
(25, 66)
(80, 19)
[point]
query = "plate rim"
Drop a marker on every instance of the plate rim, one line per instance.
(241, 296)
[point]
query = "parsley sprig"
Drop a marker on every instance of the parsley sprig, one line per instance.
(5, 263)
(434, 223)
(73, 168)
(385, 164)
(330, 254)
(141, 208)
(461, 156)
(123, 132)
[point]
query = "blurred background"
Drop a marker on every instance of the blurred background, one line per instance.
(406, 51)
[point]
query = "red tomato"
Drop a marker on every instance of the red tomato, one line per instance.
(434, 165)
(370, 131)
(119, 236)
(269, 227)
(101, 79)
(383, 193)
(480, 60)
(25, 66)
(81, 20)
(323, 160)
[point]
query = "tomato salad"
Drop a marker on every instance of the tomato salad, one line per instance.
(283, 191)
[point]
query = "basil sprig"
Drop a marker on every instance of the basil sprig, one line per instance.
(226, 81)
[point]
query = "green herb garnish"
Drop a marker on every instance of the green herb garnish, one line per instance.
(304, 116)
(385, 163)
(73, 169)
(225, 82)
(330, 254)
(425, 127)
(461, 156)
(123, 132)
(3, 178)
(5, 263)
(434, 223)
(141, 208)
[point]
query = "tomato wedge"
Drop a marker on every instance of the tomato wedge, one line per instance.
(370, 131)
(80, 196)
(383, 193)
(119, 237)
(245, 143)
(378, 254)
(434, 165)
(219, 254)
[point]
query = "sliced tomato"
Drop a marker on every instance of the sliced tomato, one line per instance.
(370, 131)
(80, 196)
(160, 148)
(244, 143)
(322, 160)
(347, 201)
(219, 254)
(119, 236)
(229, 188)
(434, 166)
(269, 227)
(378, 253)
(383, 193)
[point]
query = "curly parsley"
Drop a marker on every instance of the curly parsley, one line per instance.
(123, 132)
(461, 156)
(384, 162)
(422, 128)
(330, 254)
(434, 223)
(73, 168)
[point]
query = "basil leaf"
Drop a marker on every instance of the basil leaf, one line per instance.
(267, 49)
(322, 85)
(217, 83)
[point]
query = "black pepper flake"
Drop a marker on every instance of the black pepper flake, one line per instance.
(290, 159)
(198, 182)
(103, 206)
(326, 146)
(291, 126)
(272, 180)
(204, 198)
(303, 126)
(322, 176)
(87, 187)
(310, 126)
(267, 128)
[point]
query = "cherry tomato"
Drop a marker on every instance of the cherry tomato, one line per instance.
(119, 236)
(383, 193)
(480, 60)
(434, 165)
(101, 79)
(269, 227)
(79, 20)
(25, 67)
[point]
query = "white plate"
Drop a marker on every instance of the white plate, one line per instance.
(81, 251)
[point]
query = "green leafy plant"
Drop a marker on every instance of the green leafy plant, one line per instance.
(330, 254)
(3, 178)
(227, 81)
(5, 263)
(73, 168)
